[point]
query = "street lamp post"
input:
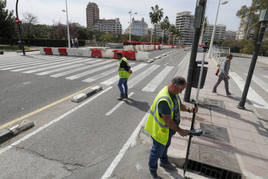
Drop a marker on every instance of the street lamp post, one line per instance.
(19, 29)
(130, 23)
(214, 28)
(67, 21)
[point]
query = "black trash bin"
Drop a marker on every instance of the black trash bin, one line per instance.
(196, 75)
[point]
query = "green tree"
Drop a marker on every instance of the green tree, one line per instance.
(156, 16)
(7, 23)
(29, 20)
(165, 24)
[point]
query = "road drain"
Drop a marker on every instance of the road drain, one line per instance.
(213, 172)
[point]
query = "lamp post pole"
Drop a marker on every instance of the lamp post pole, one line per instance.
(130, 23)
(67, 21)
(18, 23)
(214, 28)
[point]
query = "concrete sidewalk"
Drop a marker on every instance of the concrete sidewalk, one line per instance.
(235, 141)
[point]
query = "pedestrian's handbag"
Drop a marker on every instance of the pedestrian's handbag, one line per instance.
(217, 71)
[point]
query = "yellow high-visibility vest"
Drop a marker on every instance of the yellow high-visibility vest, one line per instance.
(155, 124)
(121, 71)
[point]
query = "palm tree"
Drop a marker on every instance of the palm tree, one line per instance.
(172, 31)
(156, 16)
(165, 25)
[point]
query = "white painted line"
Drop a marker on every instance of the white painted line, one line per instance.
(116, 78)
(99, 76)
(182, 67)
(130, 142)
(2, 150)
(259, 82)
(52, 66)
(253, 96)
(150, 87)
(59, 69)
(142, 75)
(79, 75)
(117, 106)
(40, 64)
(75, 70)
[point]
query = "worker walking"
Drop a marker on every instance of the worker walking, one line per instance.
(163, 122)
(124, 72)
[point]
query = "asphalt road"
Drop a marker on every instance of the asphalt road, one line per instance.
(77, 140)
(81, 140)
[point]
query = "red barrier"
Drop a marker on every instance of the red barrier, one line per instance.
(63, 51)
(48, 51)
(96, 53)
(121, 51)
(131, 55)
(172, 46)
(154, 47)
(159, 47)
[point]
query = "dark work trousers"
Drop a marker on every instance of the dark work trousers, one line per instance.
(225, 82)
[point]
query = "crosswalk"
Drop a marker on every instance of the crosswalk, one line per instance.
(88, 70)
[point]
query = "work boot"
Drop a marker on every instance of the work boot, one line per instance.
(121, 97)
(154, 175)
(126, 96)
(167, 166)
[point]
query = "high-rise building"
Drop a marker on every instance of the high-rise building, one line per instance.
(243, 28)
(230, 34)
(109, 26)
(139, 28)
(184, 23)
(220, 32)
(95, 23)
(92, 13)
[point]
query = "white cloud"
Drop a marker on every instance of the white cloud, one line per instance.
(49, 11)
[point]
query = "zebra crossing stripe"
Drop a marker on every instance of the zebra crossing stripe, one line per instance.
(90, 71)
(52, 66)
(101, 75)
(59, 69)
(78, 69)
(116, 77)
(142, 75)
(151, 87)
(30, 65)
(253, 96)
(260, 83)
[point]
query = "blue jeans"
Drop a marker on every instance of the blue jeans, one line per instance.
(123, 81)
(158, 151)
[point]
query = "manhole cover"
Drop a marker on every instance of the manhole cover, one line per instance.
(215, 132)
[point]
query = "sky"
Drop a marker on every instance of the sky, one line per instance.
(50, 11)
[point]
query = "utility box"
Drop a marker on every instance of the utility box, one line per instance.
(264, 15)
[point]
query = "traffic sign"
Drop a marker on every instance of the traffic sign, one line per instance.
(17, 21)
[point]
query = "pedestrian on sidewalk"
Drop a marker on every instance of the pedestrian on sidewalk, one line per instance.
(124, 72)
(163, 122)
(224, 75)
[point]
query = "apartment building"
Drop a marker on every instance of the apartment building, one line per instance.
(92, 14)
(139, 28)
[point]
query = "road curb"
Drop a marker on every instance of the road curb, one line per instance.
(8, 133)
(82, 96)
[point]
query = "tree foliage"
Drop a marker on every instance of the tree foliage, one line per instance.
(7, 22)
(156, 15)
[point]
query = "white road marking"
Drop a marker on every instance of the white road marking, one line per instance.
(52, 66)
(79, 75)
(130, 142)
(77, 69)
(2, 150)
(117, 106)
(142, 75)
(253, 96)
(60, 69)
(116, 78)
(150, 87)
(259, 82)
